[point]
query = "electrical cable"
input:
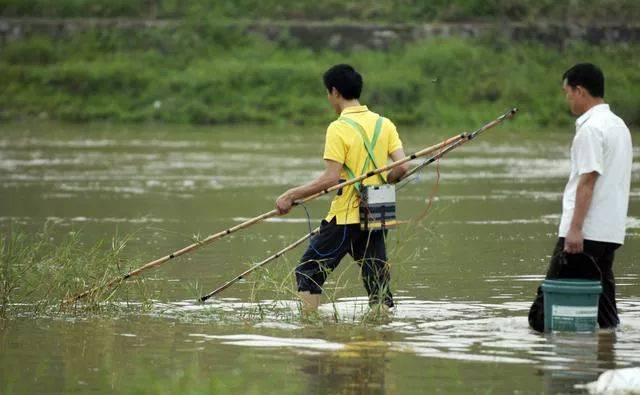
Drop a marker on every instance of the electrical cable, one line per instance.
(323, 255)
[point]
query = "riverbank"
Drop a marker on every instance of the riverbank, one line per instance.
(397, 11)
(207, 74)
(343, 35)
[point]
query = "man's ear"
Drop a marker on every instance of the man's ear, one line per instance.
(334, 92)
(582, 91)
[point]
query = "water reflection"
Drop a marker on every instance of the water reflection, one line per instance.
(359, 368)
(577, 359)
(449, 330)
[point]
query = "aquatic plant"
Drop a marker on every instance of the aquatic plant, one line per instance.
(39, 269)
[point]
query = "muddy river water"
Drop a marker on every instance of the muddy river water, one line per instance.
(463, 278)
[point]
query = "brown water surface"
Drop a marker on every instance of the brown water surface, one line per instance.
(463, 279)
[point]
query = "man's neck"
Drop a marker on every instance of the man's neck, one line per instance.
(349, 103)
(592, 103)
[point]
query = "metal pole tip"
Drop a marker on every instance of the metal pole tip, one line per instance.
(509, 114)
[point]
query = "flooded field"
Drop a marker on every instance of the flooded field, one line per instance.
(463, 278)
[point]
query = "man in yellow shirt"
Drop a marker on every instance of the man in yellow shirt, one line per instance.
(345, 154)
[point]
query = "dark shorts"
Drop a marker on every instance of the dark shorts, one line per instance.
(595, 263)
(331, 244)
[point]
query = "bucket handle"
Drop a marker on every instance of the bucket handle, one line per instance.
(565, 261)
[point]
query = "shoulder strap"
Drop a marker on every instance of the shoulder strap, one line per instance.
(369, 146)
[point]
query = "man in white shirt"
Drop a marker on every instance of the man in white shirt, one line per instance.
(596, 198)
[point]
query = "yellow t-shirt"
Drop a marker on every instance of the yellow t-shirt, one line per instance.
(344, 144)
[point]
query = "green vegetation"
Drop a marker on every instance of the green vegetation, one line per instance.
(401, 11)
(207, 71)
(210, 73)
(37, 272)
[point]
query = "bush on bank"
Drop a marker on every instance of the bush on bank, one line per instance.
(207, 73)
(399, 11)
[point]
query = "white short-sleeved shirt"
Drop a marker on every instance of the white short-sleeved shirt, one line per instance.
(603, 144)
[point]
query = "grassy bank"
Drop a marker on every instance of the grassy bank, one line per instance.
(383, 10)
(205, 73)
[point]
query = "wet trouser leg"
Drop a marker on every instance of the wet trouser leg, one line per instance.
(581, 266)
(331, 244)
(607, 308)
(324, 253)
(369, 250)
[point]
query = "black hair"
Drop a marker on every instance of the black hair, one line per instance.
(345, 79)
(588, 76)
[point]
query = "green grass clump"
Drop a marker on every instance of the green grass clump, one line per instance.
(38, 271)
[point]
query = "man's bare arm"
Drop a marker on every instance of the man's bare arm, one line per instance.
(397, 172)
(327, 179)
(574, 240)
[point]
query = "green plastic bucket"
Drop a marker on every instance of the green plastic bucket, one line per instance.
(571, 305)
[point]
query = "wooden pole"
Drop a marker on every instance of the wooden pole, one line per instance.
(273, 213)
(456, 144)
(259, 264)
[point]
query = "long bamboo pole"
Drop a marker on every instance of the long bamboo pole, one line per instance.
(273, 213)
(440, 154)
(259, 264)
(456, 144)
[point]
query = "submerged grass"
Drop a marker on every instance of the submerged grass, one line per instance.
(40, 269)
